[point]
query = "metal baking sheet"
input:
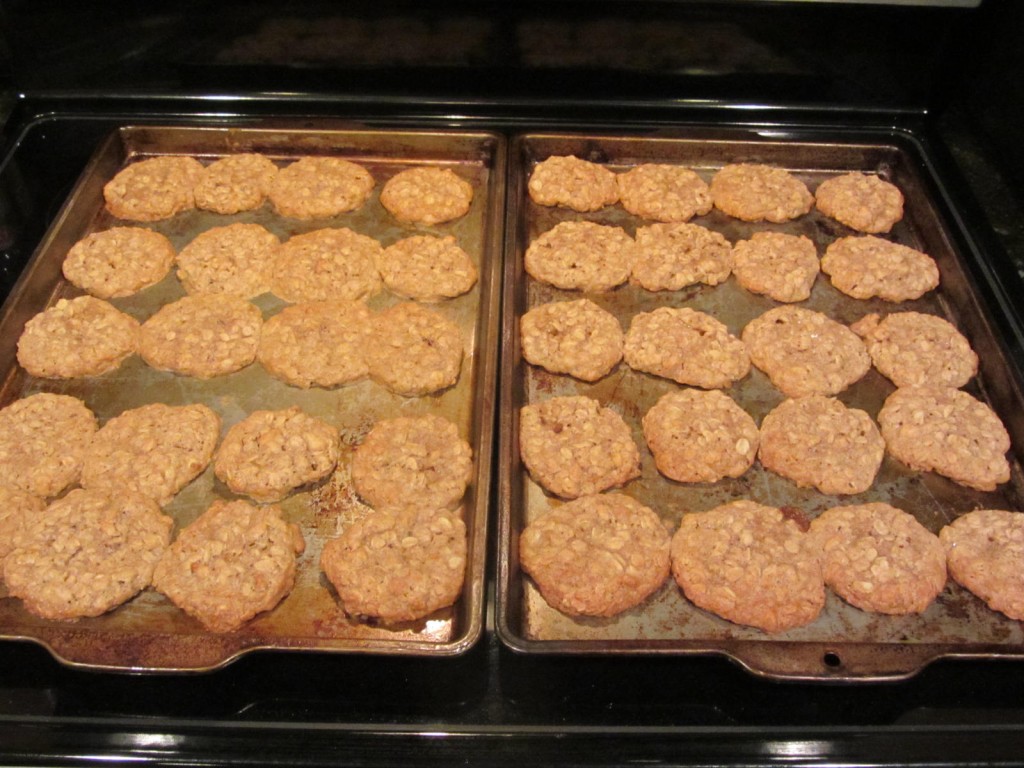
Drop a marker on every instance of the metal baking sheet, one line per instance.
(844, 643)
(149, 633)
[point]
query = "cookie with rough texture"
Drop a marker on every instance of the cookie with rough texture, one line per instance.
(332, 263)
(235, 183)
(581, 256)
(43, 440)
(119, 262)
(153, 189)
(866, 267)
(984, 550)
(599, 555)
(687, 346)
(235, 561)
(861, 201)
(805, 352)
(87, 553)
(879, 558)
(750, 564)
(413, 461)
(946, 430)
(319, 187)
(317, 344)
(699, 436)
(427, 195)
(414, 350)
(818, 442)
(778, 265)
(236, 259)
(269, 454)
(398, 565)
(574, 337)
(84, 336)
(155, 450)
(205, 335)
(574, 446)
(671, 256)
(912, 348)
(756, 192)
(17, 508)
(572, 182)
(663, 192)
(427, 268)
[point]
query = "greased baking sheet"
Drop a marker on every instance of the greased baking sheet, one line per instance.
(844, 643)
(149, 633)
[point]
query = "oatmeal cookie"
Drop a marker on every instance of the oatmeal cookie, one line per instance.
(879, 558)
(236, 259)
(945, 430)
(574, 337)
(119, 262)
(233, 562)
(780, 266)
(582, 256)
(599, 555)
(572, 183)
(319, 187)
(153, 189)
(327, 264)
(87, 553)
(663, 192)
(414, 350)
(269, 454)
(155, 450)
(672, 256)
(17, 508)
(84, 336)
(984, 550)
(574, 446)
(427, 268)
(43, 440)
(865, 267)
(687, 346)
(861, 201)
(754, 192)
(235, 183)
(426, 195)
(749, 564)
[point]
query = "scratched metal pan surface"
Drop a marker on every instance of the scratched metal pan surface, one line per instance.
(844, 643)
(149, 634)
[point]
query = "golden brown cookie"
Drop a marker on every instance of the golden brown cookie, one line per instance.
(427, 195)
(582, 256)
(778, 265)
(572, 183)
(235, 183)
(236, 259)
(427, 268)
(574, 337)
(17, 508)
(663, 192)
(153, 189)
(984, 551)
(319, 187)
(119, 262)
(672, 256)
(861, 201)
(755, 192)
(865, 267)
(414, 350)
(333, 263)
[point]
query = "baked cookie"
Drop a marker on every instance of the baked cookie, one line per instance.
(426, 195)
(327, 264)
(413, 461)
(43, 439)
(663, 192)
(236, 259)
(866, 267)
(755, 192)
(427, 268)
(153, 189)
(572, 183)
(317, 344)
(780, 266)
(699, 436)
(599, 555)
(235, 183)
(205, 335)
(155, 450)
(805, 352)
(861, 201)
(672, 256)
(582, 256)
(84, 336)
(119, 262)
(984, 550)
(17, 508)
(945, 430)
(818, 442)
(319, 187)
(87, 553)
(574, 337)
(687, 346)
(749, 564)
(414, 350)
(911, 349)
(879, 558)
(574, 446)
(269, 454)
(234, 561)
